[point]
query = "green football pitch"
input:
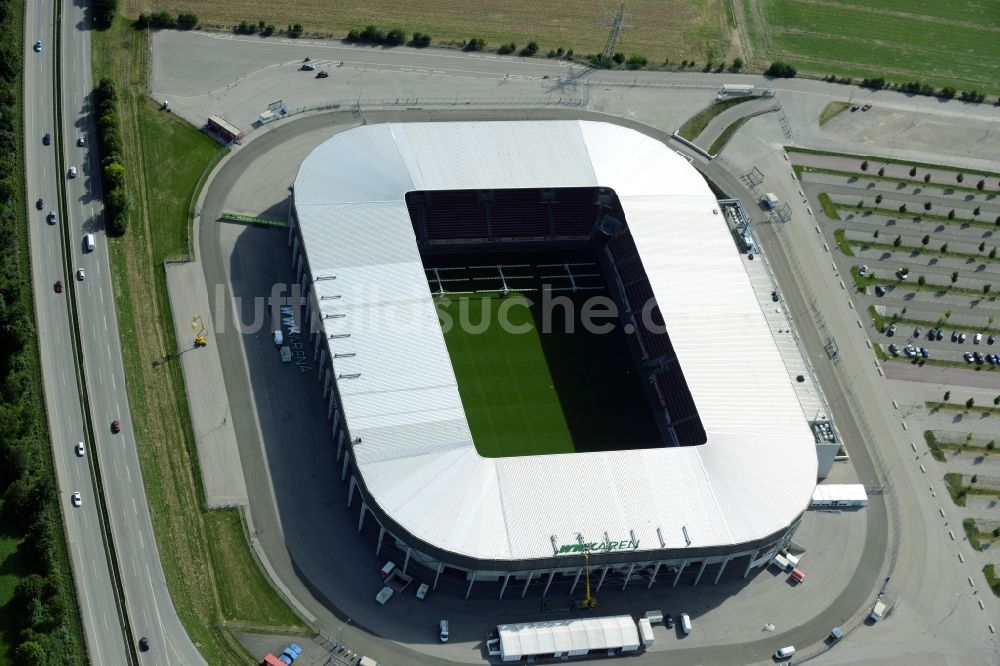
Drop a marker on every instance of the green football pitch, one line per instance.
(529, 392)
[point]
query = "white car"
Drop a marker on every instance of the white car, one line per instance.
(38, 46)
(72, 172)
(978, 338)
(80, 451)
(81, 141)
(785, 652)
(384, 595)
(863, 271)
(80, 275)
(75, 498)
(444, 631)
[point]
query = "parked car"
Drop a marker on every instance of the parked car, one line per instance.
(72, 172)
(925, 352)
(916, 332)
(879, 290)
(855, 108)
(384, 595)
(866, 107)
(668, 621)
(990, 340)
(835, 635)
(322, 74)
(931, 333)
(940, 334)
(307, 67)
(968, 357)
(910, 350)
(774, 296)
(961, 337)
(977, 338)
(894, 350)
(443, 633)
(954, 336)
(863, 271)
(785, 652)
(891, 330)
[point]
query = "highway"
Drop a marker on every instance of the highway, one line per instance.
(147, 600)
(102, 628)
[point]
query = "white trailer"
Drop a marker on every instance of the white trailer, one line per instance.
(829, 495)
(736, 90)
(878, 612)
(568, 638)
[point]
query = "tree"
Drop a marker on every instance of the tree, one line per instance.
(986, 288)
(969, 403)
(996, 400)
(927, 178)
(927, 205)
(780, 70)
(475, 44)
(395, 37)
(993, 253)
(948, 92)
(951, 214)
(864, 165)
(618, 58)
(954, 277)
(960, 177)
(982, 246)
(997, 222)
(31, 653)
(898, 241)
(974, 479)
(944, 248)
(947, 396)
(913, 171)
(104, 12)
(187, 20)
(996, 530)
(981, 185)
(902, 208)
(925, 240)
(861, 203)
(878, 198)
(977, 211)
(875, 234)
(921, 280)
(881, 171)
(737, 64)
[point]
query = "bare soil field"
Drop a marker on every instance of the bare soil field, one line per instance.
(695, 30)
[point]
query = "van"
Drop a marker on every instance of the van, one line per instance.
(443, 626)
(685, 623)
(387, 569)
(279, 338)
(88, 242)
(785, 652)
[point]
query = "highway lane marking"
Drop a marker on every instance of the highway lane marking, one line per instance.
(102, 295)
(135, 569)
(115, 462)
(100, 374)
(128, 473)
(142, 544)
(90, 608)
(93, 327)
(93, 565)
(109, 351)
(114, 386)
(105, 323)
(156, 607)
(63, 373)
(134, 509)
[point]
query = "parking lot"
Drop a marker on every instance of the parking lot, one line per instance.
(919, 247)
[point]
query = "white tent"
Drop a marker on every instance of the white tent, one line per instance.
(832, 494)
(568, 638)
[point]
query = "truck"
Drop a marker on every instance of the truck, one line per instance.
(769, 201)
(878, 612)
(736, 90)
(781, 562)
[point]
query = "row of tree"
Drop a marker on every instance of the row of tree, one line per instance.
(393, 37)
(117, 202)
(43, 625)
(161, 19)
(918, 88)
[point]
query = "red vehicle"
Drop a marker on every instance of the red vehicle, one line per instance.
(116, 427)
(58, 286)
(798, 575)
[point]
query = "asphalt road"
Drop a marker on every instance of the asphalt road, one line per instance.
(103, 632)
(147, 600)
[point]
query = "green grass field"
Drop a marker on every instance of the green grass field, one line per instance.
(530, 392)
(941, 43)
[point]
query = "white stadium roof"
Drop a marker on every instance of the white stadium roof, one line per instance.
(752, 478)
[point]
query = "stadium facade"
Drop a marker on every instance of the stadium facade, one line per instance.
(725, 503)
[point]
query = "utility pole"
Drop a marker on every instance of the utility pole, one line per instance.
(617, 25)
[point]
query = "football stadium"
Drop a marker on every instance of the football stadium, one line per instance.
(542, 358)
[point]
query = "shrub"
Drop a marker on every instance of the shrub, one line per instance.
(529, 50)
(986, 288)
(993, 253)
(960, 177)
(944, 248)
(925, 240)
(969, 403)
(948, 92)
(475, 44)
(635, 61)
(245, 28)
(737, 64)
(878, 198)
(898, 241)
(902, 208)
(618, 58)
(981, 185)
(921, 280)
(267, 30)
(954, 277)
(951, 214)
(875, 234)
(947, 396)
(421, 40)
(372, 35)
(874, 84)
(977, 211)
(294, 31)
(780, 70)
(395, 37)
(881, 171)
(504, 49)
(864, 165)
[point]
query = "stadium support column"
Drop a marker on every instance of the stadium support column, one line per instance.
(469, 589)
(721, 569)
(503, 588)
(653, 579)
(527, 583)
(753, 557)
(704, 563)
(322, 360)
(629, 576)
(601, 582)
(347, 459)
(406, 562)
(361, 518)
(330, 409)
(576, 580)
(295, 252)
(680, 570)
(437, 575)
(549, 582)
(381, 535)
(318, 335)
(326, 388)
(350, 492)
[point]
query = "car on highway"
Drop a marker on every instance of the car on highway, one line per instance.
(774, 296)
(80, 275)
(51, 217)
(835, 635)
(322, 74)
(75, 498)
(72, 172)
(144, 644)
(58, 286)
(88, 242)
(80, 451)
(39, 204)
(38, 46)
(116, 427)
(977, 338)
(47, 139)
(81, 142)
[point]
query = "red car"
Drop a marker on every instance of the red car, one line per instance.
(116, 427)
(866, 107)
(58, 286)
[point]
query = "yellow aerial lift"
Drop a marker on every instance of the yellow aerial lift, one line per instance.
(199, 338)
(589, 601)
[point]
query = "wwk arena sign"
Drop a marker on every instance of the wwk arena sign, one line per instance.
(598, 547)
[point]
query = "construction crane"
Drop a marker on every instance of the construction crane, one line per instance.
(199, 338)
(589, 601)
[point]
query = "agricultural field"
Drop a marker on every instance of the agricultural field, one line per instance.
(941, 43)
(697, 30)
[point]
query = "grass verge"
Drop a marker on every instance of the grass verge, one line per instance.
(932, 443)
(913, 249)
(960, 407)
(210, 571)
(953, 482)
(991, 579)
(916, 217)
(972, 533)
(828, 206)
(697, 123)
(831, 111)
(843, 243)
(891, 160)
(726, 135)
